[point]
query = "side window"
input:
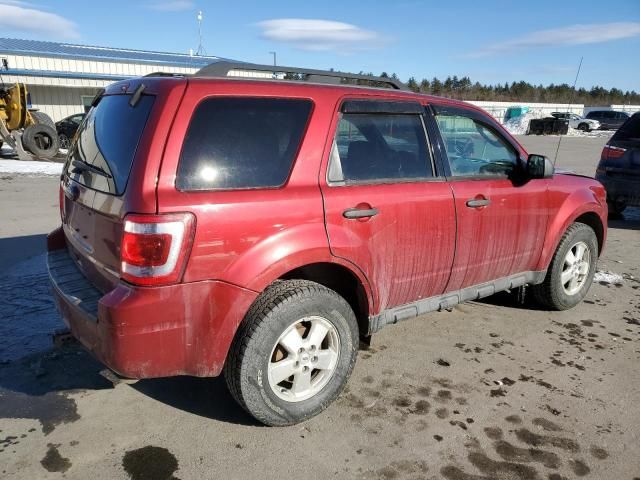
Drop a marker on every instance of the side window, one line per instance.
(239, 143)
(474, 148)
(630, 130)
(374, 147)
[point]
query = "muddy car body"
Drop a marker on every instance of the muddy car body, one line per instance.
(263, 227)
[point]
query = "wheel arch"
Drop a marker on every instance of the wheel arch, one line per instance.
(343, 281)
(578, 209)
(593, 220)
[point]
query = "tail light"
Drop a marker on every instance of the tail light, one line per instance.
(611, 153)
(155, 248)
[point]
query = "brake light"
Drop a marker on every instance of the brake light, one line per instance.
(155, 248)
(610, 152)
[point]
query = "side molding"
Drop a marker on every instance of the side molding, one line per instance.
(449, 299)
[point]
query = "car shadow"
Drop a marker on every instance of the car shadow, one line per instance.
(16, 249)
(205, 397)
(512, 300)
(38, 386)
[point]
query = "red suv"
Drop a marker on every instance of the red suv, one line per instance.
(262, 227)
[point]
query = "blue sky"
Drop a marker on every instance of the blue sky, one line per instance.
(491, 41)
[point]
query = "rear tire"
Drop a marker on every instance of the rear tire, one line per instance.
(571, 271)
(41, 140)
(584, 127)
(278, 336)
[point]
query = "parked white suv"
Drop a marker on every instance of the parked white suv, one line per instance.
(576, 121)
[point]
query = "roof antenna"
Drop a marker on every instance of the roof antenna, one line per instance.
(555, 160)
(200, 51)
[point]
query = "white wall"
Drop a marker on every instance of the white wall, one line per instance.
(128, 69)
(59, 102)
(619, 108)
(498, 109)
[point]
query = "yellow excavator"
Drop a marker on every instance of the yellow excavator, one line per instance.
(31, 134)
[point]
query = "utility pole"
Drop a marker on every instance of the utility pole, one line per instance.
(200, 50)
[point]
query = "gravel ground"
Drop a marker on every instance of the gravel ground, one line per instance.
(490, 390)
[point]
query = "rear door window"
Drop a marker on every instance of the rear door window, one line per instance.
(240, 143)
(379, 147)
(107, 142)
(630, 130)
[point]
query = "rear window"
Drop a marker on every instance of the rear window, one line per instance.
(108, 140)
(630, 130)
(373, 148)
(240, 143)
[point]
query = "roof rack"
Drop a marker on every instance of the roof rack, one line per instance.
(164, 74)
(222, 69)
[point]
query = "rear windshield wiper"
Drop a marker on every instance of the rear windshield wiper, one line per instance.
(82, 166)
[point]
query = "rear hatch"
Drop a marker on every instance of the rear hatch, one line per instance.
(621, 155)
(96, 178)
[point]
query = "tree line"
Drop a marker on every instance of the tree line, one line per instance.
(464, 89)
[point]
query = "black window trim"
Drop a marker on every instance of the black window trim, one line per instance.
(244, 189)
(481, 118)
(136, 151)
(379, 107)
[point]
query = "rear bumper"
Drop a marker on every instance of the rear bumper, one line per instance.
(145, 332)
(623, 189)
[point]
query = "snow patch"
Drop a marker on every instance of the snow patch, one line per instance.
(25, 167)
(574, 132)
(607, 277)
(520, 125)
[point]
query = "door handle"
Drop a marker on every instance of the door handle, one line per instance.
(478, 202)
(352, 213)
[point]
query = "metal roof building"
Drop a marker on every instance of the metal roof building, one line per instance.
(63, 78)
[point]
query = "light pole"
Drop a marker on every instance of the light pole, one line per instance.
(274, 58)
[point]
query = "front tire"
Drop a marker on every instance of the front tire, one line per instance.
(571, 271)
(293, 354)
(584, 127)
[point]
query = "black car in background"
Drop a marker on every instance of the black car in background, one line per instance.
(609, 119)
(67, 127)
(619, 167)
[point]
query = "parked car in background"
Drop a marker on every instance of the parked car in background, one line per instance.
(609, 119)
(67, 128)
(619, 167)
(261, 228)
(578, 122)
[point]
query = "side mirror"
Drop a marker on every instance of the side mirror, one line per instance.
(539, 166)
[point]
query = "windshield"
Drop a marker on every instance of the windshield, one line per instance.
(103, 152)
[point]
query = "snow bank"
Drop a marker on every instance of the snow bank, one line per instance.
(573, 132)
(607, 277)
(520, 125)
(24, 167)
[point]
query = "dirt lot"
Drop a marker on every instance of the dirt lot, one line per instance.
(491, 390)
